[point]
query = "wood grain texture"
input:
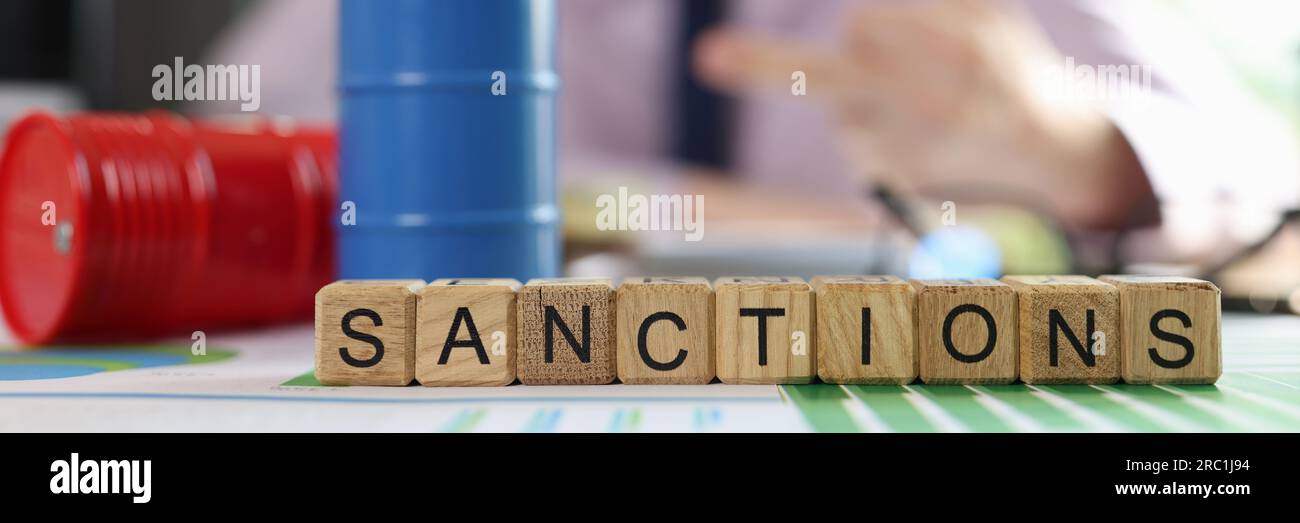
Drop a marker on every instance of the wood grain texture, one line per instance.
(967, 356)
(887, 353)
(790, 302)
(380, 313)
(1067, 302)
(465, 336)
(677, 353)
(1162, 319)
(590, 359)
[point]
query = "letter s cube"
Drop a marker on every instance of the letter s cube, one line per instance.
(365, 332)
(1170, 329)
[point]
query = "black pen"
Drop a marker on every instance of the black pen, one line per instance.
(897, 208)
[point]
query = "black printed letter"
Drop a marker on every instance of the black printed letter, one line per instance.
(1054, 322)
(553, 319)
(1170, 337)
(762, 315)
(988, 345)
(645, 351)
(361, 336)
(462, 314)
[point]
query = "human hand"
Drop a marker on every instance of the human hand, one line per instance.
(942, 98)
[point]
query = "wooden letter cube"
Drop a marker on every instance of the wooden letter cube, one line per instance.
(765, 330)
(566, 332)
(466, 333)
(1069, 329)
(966, 330)
(1169, 328)
(665, 331)
(365, 332)
(866, 329)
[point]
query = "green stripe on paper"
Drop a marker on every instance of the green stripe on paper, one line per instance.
(306, 379)
(465, 420)
(1023, 400)
(1087, 397)
(889, 403)
(959, 402)
(822, 405)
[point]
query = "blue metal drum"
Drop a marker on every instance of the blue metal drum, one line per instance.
(447, 139)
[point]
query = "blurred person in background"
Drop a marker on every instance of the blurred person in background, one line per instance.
(944, 98)
(971, 101)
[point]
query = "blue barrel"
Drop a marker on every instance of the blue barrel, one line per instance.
(449, 177)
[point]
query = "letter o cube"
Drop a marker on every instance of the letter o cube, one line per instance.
(966, 331)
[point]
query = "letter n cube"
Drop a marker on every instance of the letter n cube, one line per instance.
(566, 332)
(1068, 329)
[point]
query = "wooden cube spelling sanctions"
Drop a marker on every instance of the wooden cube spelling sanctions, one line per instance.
(365, 332)
(764, 330)
(966, 331)
(866, 329)
(1169, 328)
(665, 331)
(465, 334)
(1068, 329)
(566, 332)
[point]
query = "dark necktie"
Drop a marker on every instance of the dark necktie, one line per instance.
(703, 117)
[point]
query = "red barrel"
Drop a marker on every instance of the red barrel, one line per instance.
(128, 226)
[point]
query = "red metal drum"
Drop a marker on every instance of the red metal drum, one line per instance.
(163, 225)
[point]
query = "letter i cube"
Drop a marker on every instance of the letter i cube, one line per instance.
(365, 332)
(764, 330)
(866, 330)
(466, 333)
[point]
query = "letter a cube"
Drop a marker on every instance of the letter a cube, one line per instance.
(466, 333)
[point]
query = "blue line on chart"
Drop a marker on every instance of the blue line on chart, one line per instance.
(257, 397)
(544, 420)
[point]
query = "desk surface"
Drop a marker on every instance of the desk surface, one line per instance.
(262, 382)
